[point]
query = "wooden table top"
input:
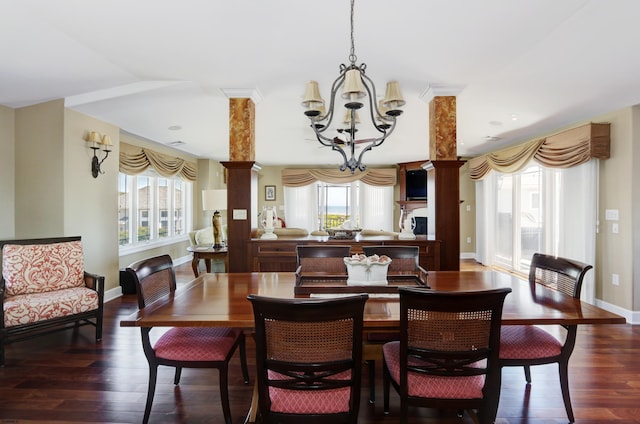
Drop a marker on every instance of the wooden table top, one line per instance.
(221, 300)
(206, 248)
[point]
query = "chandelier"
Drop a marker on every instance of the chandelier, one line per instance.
(356, 88)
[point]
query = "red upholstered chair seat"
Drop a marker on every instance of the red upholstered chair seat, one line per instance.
(310, 402)
(428, 386)
(526, 342)
(196, 344)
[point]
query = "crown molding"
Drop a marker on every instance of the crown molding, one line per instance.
(243, 93)
(434, 90)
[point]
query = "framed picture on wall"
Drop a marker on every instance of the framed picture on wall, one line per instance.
(269, 192)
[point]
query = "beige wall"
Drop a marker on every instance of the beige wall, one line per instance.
(39, 170)
(7, 172)
(90, 205)
(271, 175)
(49, 190)
(615, 251)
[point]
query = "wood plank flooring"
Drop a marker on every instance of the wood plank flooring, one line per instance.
(68, 378)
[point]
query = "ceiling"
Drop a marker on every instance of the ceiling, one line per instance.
(519, 68)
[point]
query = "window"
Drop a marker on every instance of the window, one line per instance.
(539, 209)
(519, 219)
(336, 205)
(152, 208)
(324, 205)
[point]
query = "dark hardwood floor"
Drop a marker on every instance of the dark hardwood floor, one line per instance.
(68, 378)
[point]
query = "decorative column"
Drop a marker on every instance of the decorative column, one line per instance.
(442, 153)
(239, 175)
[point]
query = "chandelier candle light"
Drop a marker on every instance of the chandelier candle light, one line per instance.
(356, 85)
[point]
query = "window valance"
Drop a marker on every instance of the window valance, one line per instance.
(303, 177)
(563, 150)
(135, 159)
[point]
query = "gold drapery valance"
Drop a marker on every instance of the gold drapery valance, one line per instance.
(134, 160)
(563, 150)
(303, 177)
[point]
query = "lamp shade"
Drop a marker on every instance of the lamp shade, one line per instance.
(94, 137)
(106, 141)
(353, 87)
(393, 97)
(214, 200)
(312, 98)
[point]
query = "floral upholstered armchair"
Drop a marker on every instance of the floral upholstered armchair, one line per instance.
(44, 288)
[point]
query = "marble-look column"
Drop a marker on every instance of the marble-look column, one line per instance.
(442, 128)
(239, 175)
(242, 129)
(443, 157)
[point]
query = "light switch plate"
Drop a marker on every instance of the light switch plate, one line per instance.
(240, 214)
(611, 214)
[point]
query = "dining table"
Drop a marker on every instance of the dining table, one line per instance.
(220, 300)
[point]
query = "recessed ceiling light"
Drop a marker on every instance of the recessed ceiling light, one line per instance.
(491, 138)
(514, 117)
(176, 143)
(175, 127)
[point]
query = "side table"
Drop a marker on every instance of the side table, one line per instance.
(207, 252)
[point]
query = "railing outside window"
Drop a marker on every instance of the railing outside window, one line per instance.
(145, 205)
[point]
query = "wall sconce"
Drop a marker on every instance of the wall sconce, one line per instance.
(97, 143)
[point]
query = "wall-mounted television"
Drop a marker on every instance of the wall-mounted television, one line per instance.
(416, 188)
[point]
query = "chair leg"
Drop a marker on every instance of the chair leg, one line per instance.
(564, 387)
(224, 394)
(99, 320)
(527, 373)
(386, 382)
(243, 359)
(153, 376)
(176, 377)
(372, 380)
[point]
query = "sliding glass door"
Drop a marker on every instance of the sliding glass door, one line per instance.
(520, 218)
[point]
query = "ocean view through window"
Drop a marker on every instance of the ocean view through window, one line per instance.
(322, 205)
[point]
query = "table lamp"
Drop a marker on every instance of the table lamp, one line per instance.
(215, 200)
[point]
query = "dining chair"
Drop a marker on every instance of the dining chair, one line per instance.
(182, 347)
(404, 259)
(322, 258)
(447, 355)
(308, 358)
(527, 345)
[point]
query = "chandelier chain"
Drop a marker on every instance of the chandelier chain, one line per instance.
(352, 55)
